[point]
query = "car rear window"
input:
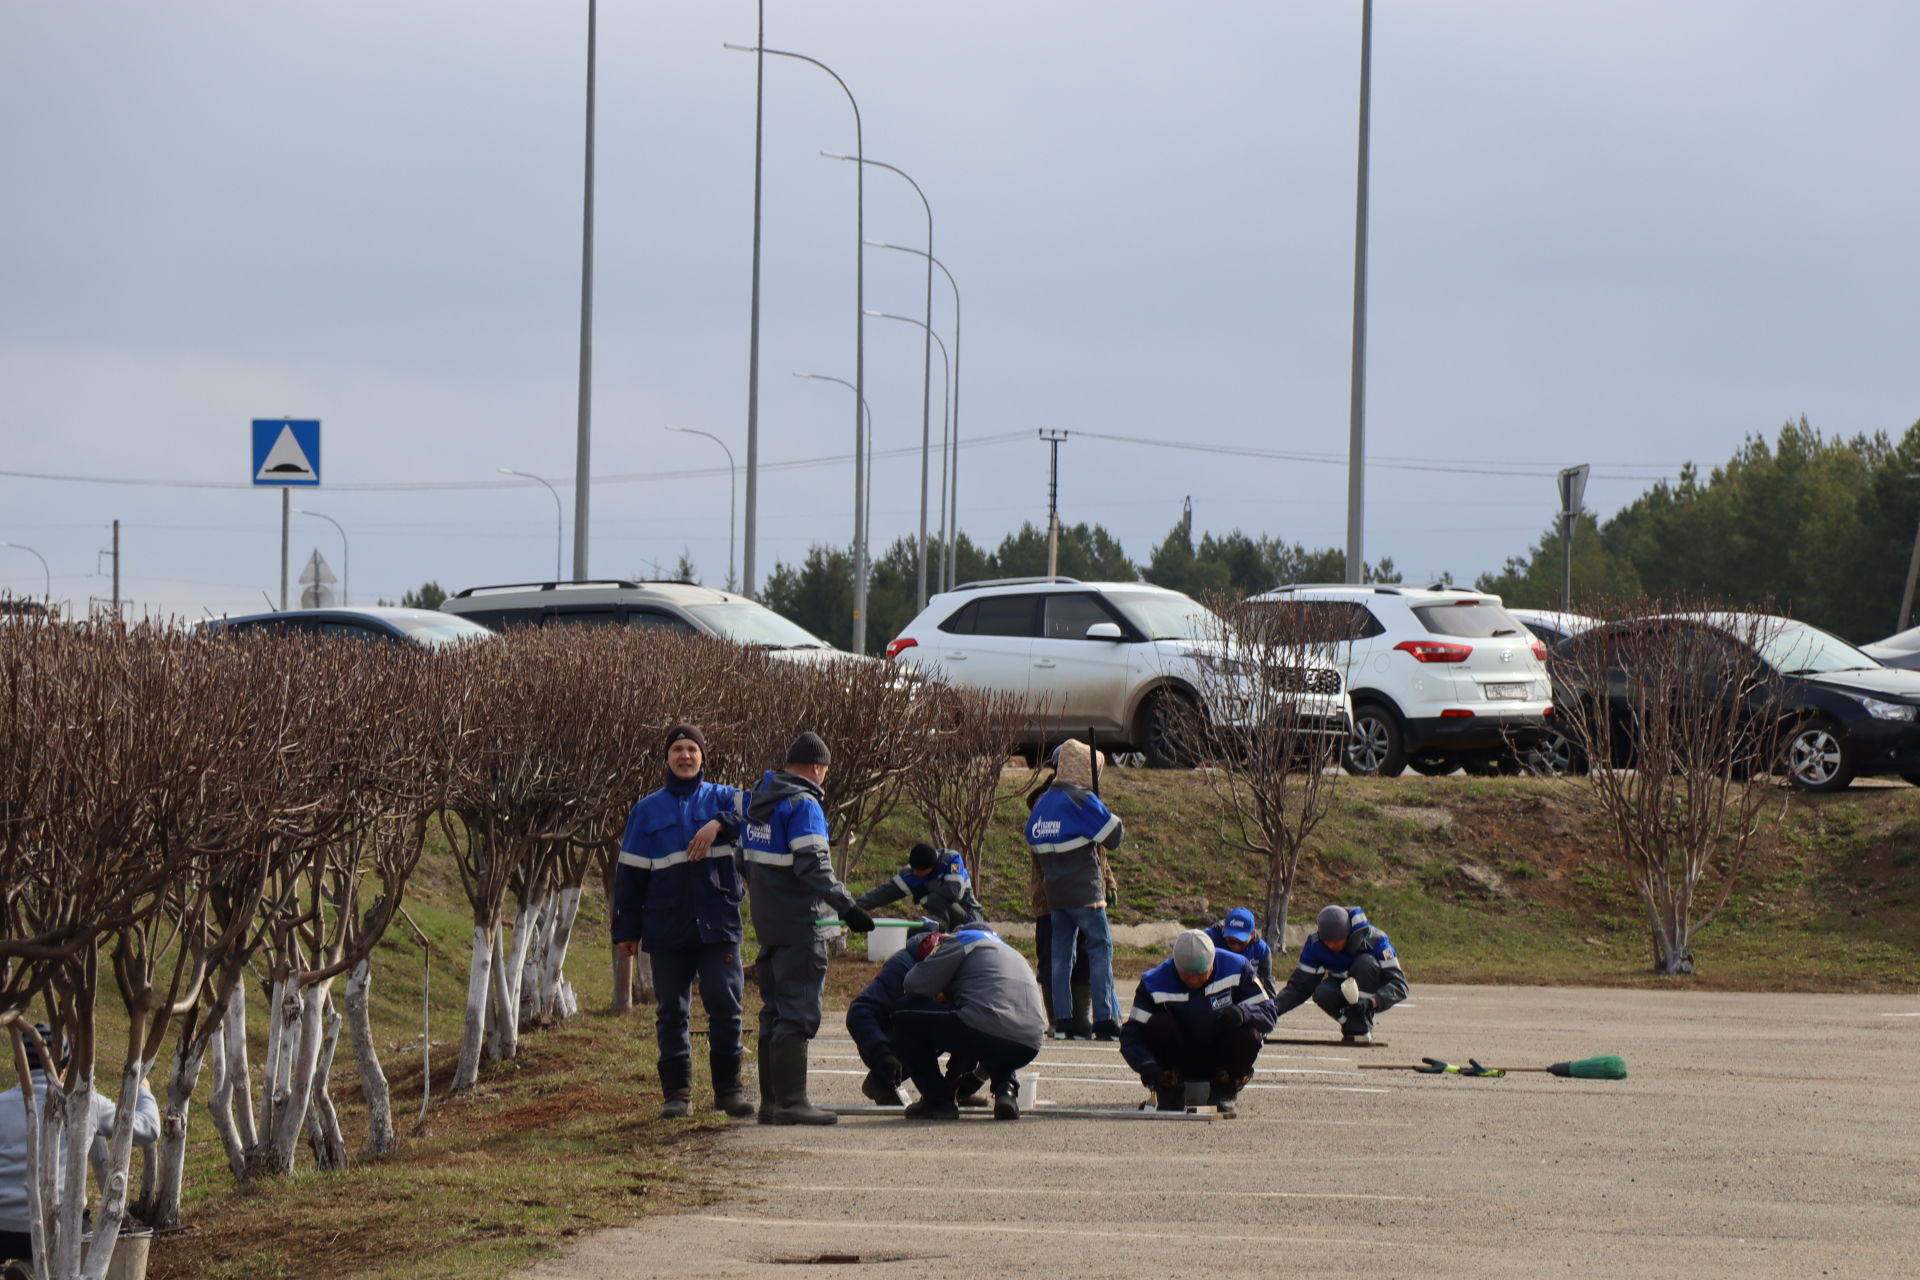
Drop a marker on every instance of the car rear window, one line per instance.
(1473, 619)
(994, 616)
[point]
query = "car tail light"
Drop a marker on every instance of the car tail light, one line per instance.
(1539, 650)
(897, 647)
(1435, 650)
(1456, 713)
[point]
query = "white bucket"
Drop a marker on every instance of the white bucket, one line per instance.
(886, 939)
(1027, 1090)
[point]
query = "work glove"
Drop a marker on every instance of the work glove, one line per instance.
(1154, 1076)
(1364, 1004)
(1350, 991)
(1431, 1067)
(857, 919)
(1231, 1018)
(890, 1068)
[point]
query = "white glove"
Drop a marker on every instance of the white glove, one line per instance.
(1350, 991)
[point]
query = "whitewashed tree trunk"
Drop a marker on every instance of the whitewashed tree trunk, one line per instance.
(525, 926)
(70, 1179)
(503, 1027)
(283, 1027)
(113, 1187)
(239, 1070)
(557, 998)
(468, 1071)
(300, 1056)
(231, 1088)
(537, 920)
(329, 1145)
(373, 1080)
(171, 1155)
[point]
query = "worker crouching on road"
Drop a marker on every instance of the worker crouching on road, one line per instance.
(790, 876)
(1200, 1016)
(870, 1021)
(1068, 831)
(676, 896)
(938, 883)
(1238, 934)
(973, 997)
(1349, 969)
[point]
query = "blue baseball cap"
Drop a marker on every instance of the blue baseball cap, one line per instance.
(1238, 925)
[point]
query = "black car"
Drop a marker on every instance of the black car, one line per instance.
(1840, 715)
(427, 628)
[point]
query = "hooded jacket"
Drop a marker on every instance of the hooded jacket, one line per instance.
(789, 871)
(1319, 962)
(944, 891)
(989, 984)
(1066, 831)
(662, 899)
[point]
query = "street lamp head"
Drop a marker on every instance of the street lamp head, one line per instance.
(742, 48)
(835, 155)
(669, 426)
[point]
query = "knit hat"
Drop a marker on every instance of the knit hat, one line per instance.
(1332, 925)
(809, 748)
(1193, 952)
(923, 857)
(1238, 925)
(691, 732)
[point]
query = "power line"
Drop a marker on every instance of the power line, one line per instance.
(1386, 462)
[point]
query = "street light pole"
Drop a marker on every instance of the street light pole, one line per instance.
(528, 475)
(732, 479)
(750, 534)
(346, 566)
(1357, 427)
(946, 390)
(859, 343)
(1053, 439)
(584, 449)
(952, 534)
(44, 571)
(926, 363)
(868, 410)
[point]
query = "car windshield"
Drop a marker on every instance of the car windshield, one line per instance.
(1166, 615)
(757, 625)
(1795, 648)
(439, 633)
(1471, 619)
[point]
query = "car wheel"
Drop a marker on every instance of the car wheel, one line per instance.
(1169, 730)
(1489, 764)
(1432, 764)
(1553, 756)
(1376, 746)
(1818, 756)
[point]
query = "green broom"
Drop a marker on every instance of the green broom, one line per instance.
(1607, 1066)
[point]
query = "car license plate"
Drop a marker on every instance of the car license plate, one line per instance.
(1514, 691)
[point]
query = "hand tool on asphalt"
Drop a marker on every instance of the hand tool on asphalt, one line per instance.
(1322, 1042)
(1606, 1066)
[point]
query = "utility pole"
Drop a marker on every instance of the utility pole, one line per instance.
(1053, 439)
(584, 445)
(116, 570)
(749, 533)
(1357, 409)
(1573, 488)
(1913, 572)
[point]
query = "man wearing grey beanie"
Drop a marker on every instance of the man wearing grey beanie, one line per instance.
(1348, 968)
(1197, 1018)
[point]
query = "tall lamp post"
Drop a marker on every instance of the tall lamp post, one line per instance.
(859, 342)
(732, 479)
(868, 410)
(528, 475)
(584, 444)
(346, 568)
(946, 390)
(44, 571)
(926, 361)
(952, 533)
(1357, 420)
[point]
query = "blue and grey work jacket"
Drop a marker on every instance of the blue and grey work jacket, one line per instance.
(870, 1016)
(943, 891)
(1193, 1010)
(1319, 962)
(785, 846)
(660, 898)
(1066, 830)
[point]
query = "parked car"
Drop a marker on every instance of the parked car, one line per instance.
(679, 607)
(1901, 650)
(1127, 660)
(1551, 627)
(1839, 714)
(1440, 679)
(1553, 753)
(428, 628)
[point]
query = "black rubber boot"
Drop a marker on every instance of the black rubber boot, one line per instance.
(676, 1087)
(728, 1096)
(1083, 1011)
(765, 1071)
(931, 1109)
(1006, 1102)
(1170, 1097)
(791, 1105)
(882, 1087)
(1224, 1093)
(966, 1089)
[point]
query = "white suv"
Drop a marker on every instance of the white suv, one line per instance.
(1439, 678)
(1124, 659)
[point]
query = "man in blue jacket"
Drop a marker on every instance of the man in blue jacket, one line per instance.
(938, 883)
(1239, 934)
(1066, 831)
(1200, 1016)
(790, 876)
(1350, 970)
(676, 896)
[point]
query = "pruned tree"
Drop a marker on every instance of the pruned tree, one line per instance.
(1669, 705)
(1275, 723)
(971, 736)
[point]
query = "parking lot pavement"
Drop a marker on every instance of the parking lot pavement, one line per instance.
(1757, 1136)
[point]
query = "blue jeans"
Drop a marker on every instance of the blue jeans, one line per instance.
(722, 985)
(1089, 925)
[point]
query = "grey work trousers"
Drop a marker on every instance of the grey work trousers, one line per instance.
(791, 978)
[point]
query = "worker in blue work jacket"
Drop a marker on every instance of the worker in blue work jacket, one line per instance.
(790, 875)
(938, 883)
(870, 1022)
(676, 896)
(1350, 970)
(1199, 1017)
(1238, 934)
(1067, 831)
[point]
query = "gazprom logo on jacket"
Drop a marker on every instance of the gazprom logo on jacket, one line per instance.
(760, 831)
(1046, 827)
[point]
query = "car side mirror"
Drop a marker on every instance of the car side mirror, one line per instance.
(1104, 631)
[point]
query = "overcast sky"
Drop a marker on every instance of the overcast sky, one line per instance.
(1624, 232)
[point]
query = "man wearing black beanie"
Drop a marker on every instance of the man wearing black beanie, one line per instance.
(938, 883)
(676, 896)
(785, 845)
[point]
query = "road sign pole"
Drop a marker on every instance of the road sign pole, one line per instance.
(286, 520)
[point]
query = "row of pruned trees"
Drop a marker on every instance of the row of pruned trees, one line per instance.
(215, 834)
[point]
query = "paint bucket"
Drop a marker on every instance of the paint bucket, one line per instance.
(888, 936)
(129, 1253)
(1026, 1090)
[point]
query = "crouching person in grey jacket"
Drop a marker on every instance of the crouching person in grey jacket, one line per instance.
(975, 998)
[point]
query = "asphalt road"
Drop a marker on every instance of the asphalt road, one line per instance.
(1758, 1136)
